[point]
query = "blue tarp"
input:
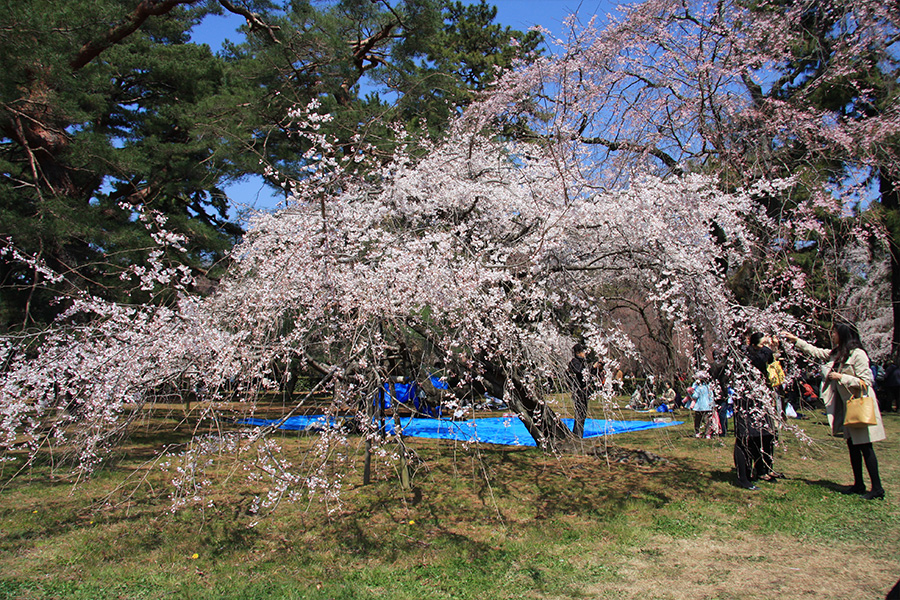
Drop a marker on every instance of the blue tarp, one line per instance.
(438, 383)
(494, 430)
(298, 423)
(406, 393)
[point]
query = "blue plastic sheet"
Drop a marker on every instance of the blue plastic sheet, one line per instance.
(298, 423)
(438, 383)
(509, 431)
(406, 393)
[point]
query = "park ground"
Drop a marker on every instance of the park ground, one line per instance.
(482, 522)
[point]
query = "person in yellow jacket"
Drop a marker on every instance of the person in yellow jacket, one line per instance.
(845, 372)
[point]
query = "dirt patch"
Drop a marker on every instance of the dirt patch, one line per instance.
(749, 568)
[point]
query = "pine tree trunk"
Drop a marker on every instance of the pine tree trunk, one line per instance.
(890, 201)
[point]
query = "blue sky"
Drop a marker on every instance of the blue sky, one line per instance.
(518, 14)
(522, 14)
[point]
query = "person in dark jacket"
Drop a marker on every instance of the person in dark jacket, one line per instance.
(719, 374)
(579, 386)
(890, 388)
(754, 433)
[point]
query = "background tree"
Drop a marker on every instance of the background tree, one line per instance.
(375, 67)
(838, 84)
(108, 106)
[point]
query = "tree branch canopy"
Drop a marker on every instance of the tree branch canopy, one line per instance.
(254, 21)
(143, 11)
(664, 157)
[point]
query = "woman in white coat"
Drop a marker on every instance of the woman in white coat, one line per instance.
(845, 372)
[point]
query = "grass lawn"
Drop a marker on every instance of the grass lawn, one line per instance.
(485, 522)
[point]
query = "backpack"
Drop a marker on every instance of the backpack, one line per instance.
(775, 373)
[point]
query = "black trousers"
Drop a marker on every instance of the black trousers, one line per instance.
(580, 400)
(753, 457)
(888, 397)
(860, 453)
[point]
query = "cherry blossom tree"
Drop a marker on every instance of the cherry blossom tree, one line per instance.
(745, 91)
(484, 254)
(645, 177)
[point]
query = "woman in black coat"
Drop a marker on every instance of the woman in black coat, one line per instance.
(754, 432)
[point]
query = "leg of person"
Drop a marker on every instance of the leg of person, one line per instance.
(703, 430)
(580, 415)
(698, 418)
(742, 463)
(868, 455)
(856, 461)
(757, 465)
(768, 458)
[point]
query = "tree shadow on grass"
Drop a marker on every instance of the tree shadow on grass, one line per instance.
(824, 484)
(526, 484)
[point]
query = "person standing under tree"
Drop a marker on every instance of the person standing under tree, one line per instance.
(702, 405)
(579, 386)
(754, 433)
(889, 394)
(668, 396)
(846, 372)
(719, 374)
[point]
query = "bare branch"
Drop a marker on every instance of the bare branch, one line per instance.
(639, 148)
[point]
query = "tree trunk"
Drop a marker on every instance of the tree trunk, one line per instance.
(541, 421)
(890, 201)
(398, 431)
(370, 417)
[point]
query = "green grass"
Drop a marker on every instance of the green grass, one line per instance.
(540, 526)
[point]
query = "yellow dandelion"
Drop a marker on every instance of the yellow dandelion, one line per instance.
(195, 556)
